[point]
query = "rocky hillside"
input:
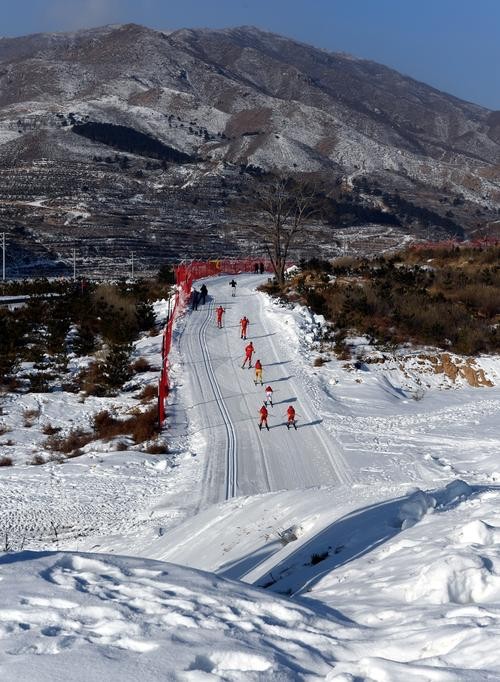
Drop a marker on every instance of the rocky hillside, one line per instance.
(125, 138)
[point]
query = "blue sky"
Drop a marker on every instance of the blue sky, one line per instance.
(453, 45)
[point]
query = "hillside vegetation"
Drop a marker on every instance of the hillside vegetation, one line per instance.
(64, 320)
(448, 298)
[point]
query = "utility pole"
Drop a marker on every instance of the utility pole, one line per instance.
(132, 254)
(3, 256)
(74, 265)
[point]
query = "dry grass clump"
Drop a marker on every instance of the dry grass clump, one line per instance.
(91, 380)
(141, 425)
(37, 460)
(50, 430)
(75, 440)
(4, 429)
(148, 393)
(157, 448)
(319, 361)
(141, 365)
(145, 425)
(6, 461)
(482, 297)
(29, 417)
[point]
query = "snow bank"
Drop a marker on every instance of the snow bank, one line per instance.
(477, 532)
(414, 508)
(420, 503)
(458, 578)
(100, 617)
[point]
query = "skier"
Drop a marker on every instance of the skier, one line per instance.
(248, 355)
(269, 396)
(220, 312)
(203, 293)
(263, 417)
(244, 322)
(258, 373)
(196, 298)
(232, 284)
(291, 417)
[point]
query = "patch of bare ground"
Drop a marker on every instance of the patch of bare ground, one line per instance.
(466, 368)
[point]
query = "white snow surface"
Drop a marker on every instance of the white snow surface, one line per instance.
(363, 547)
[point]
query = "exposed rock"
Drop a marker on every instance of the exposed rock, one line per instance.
(455, 366)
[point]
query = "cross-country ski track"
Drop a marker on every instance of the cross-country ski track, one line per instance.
(241, 460)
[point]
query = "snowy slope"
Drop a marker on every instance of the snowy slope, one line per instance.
(378, 518)
(84, 617)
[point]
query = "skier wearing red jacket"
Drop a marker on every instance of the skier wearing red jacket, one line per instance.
(219, 312)
(290, 413)
(244, 322)
(264, 414)
(248, 355)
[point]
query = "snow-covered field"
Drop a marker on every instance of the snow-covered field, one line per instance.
(365, 546)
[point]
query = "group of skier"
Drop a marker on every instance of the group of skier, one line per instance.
(259, 379)
(264, 415)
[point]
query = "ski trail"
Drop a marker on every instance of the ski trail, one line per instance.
(240, 460)
(330, 447)
(231, 461)
(242, 392)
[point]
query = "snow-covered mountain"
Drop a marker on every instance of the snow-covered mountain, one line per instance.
(226, 99)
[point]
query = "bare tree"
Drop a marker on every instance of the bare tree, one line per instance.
(286, 207)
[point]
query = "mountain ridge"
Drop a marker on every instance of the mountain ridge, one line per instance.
(234, 98)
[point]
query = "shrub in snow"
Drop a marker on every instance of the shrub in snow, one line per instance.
(92, 380)
(50, 430)
(85, 341)
(142, 426)
(145, 316)
(29, 416)
(141, 365)
(116, 367)
(148, 393)
(75, 440)
(157, 448)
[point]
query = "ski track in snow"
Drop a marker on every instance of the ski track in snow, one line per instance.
(239, 459)
(76, 500)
